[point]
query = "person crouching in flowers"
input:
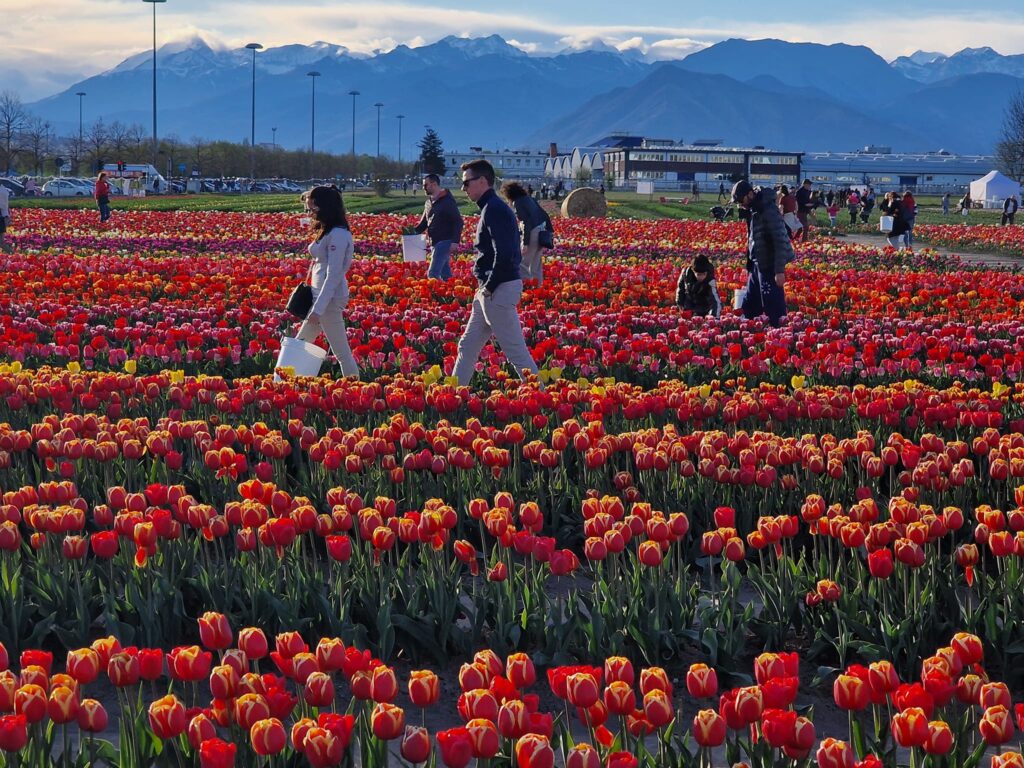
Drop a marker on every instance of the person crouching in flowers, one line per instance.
(332, 252)
(696, 289)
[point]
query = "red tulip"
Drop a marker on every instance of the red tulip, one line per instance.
(415, 745)
(216, 753)
(268, 736)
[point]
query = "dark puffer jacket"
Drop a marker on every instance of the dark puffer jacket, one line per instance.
(698, 296)
(768, 244)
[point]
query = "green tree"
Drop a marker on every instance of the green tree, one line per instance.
(431, 152)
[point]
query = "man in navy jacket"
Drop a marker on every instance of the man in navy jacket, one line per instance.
(495, 309)
(768, 252)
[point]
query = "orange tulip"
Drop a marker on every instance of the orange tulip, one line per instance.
(387, 721)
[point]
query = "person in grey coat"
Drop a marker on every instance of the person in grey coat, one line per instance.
(442, 222)
(769, 250)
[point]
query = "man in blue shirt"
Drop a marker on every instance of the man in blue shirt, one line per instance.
(495, 309)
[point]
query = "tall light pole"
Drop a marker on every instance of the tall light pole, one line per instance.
(154, 2)
(378, 105)
(252, 135)
(400, 118)
(273, 133)
(79, 94)
(353, 93)
(312, 122)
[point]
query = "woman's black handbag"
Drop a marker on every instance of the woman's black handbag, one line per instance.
(546, 239)
(301, 301)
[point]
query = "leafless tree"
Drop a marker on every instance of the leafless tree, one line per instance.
(36, 142)
(118, 137)
(136, 137)
(96, 140)
(1010, 149)
(13, 116)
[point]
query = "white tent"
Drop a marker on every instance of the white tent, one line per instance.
(993, 188)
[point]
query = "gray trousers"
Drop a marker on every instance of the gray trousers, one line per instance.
(533, 258)
(332, 324)
(497, 316)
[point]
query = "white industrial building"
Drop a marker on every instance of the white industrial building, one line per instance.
(508, 163)
(929, 172)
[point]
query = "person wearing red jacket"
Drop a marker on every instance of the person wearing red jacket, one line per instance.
(102, 195)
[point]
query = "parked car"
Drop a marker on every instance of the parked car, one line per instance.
(65, 188)
(14, 187)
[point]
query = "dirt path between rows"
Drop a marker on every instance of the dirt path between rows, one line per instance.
(969, 257)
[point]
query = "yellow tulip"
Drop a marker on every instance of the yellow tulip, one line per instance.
(451, 381)
(177, 376)
(999, 389)
(704, 391)
(74, 367)
(130, 366)
(797, 382)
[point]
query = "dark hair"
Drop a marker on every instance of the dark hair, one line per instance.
(480, 168)
(432, 177)
(784, 189)
(807, 181)
(330, 211)
(703, 264)
(513, 190)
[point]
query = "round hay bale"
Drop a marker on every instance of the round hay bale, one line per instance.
(585, 202)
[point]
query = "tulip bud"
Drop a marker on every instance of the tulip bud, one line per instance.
(534, 751)
(415, 745)
(215, 631)
(92, 717)
(268, 736)
(701, 681)
(387, 721)
(425, 688)
(709, 728)
(167, 717)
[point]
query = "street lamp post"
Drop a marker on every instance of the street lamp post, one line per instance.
(400, 118)
(273, 133)
(353, 93)
(154, 2)
(378, 105)
(79, 94)
(252, 134)
(312, 122)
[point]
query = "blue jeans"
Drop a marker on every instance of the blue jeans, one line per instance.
(104, 210)
(764, 296)
(908, 236)
(440, 266)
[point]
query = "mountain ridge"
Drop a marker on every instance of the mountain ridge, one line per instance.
(520, 99)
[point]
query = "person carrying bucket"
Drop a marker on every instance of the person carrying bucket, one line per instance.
(332, 252)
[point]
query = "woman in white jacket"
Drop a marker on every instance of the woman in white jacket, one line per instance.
(332, 255)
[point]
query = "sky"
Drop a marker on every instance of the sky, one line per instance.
(46, 46)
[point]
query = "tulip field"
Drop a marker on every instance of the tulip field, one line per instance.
(688, 542)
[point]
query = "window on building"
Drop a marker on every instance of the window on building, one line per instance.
(735, 159)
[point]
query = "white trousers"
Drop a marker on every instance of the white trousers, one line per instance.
(332, 324)
(497, 316)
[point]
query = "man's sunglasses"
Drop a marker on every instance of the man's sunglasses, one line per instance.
(465, 182)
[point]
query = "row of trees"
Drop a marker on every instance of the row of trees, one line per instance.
(30, 145)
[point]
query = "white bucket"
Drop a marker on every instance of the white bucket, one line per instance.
(301, 356)
(414, 248)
